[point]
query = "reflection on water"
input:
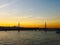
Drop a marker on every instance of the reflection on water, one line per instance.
(29, 38)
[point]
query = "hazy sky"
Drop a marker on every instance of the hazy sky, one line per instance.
(29, 11)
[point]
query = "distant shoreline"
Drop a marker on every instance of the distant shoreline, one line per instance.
(26, 29)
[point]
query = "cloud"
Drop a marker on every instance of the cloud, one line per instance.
(4, 5)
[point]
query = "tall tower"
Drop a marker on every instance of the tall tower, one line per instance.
(18, 27)
(45, 25)
(18, 24)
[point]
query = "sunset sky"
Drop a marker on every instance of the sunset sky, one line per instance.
(30, 13)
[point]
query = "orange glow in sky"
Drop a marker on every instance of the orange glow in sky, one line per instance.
(30, 13)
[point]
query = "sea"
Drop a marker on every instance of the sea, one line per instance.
(29, 38)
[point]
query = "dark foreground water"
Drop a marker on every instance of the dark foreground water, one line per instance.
(29, 38)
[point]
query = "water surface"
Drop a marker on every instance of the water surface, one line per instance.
(29, 38)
